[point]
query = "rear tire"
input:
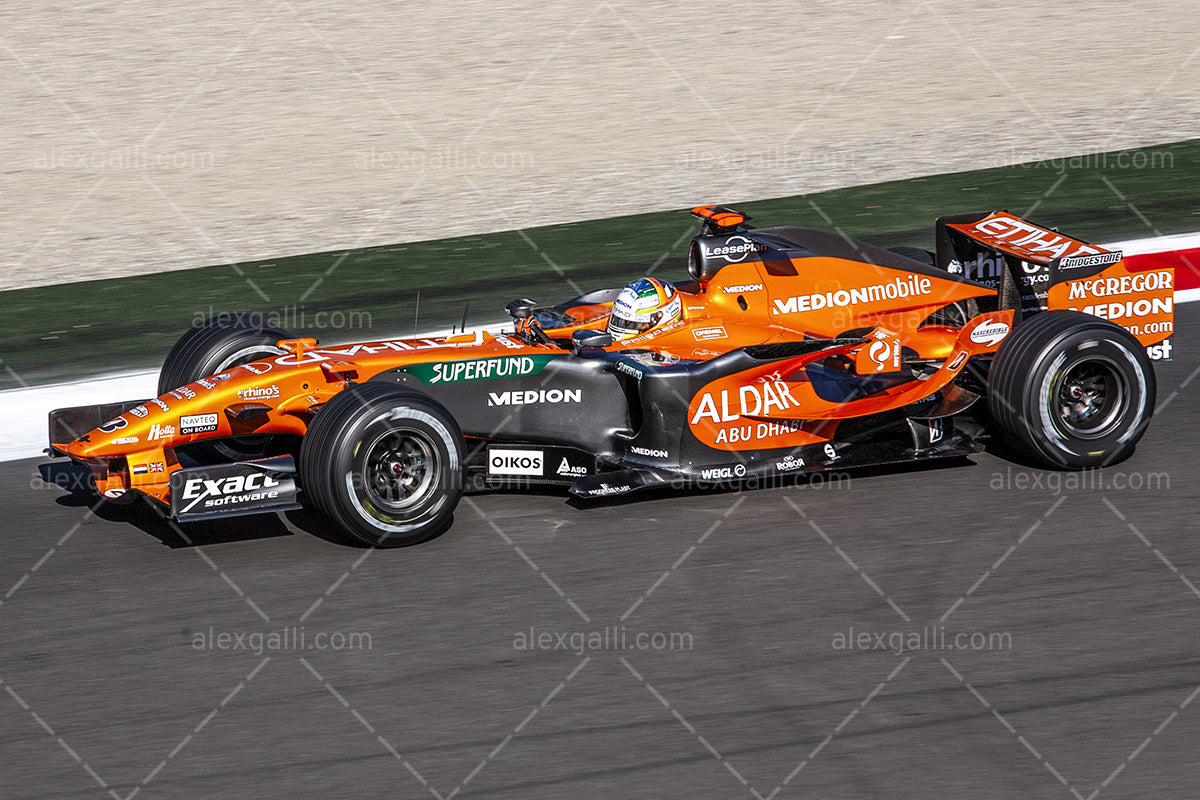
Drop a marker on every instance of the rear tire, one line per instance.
(384, 464)
(211, 348)
(954, 315)
(915, 253)
(1072, 390)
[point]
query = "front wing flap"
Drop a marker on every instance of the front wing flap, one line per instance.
(231, 490)
(68, 424)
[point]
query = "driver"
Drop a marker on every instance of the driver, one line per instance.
(645, 304)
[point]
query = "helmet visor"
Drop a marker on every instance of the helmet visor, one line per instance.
(622, 327)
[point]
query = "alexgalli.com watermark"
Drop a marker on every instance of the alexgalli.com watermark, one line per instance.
(291, 318)
(1123, 160)
(777, 158)
(135, 157)
(734, 478)
(1089, 480)
(930, 638)
(288, 639)
(449, 157)
(611, 637)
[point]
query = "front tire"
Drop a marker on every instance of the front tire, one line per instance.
(220, 344)
(217, 345)
(384, 464)
(1072, 390)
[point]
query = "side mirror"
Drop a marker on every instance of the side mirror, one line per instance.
(520, 309)
(581, 340)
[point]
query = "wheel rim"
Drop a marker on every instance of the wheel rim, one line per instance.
(246, 355)
(399, 470)
(1091, 397)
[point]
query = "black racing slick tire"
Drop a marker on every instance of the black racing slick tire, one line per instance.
(384, 464)
(1072, 390)
(217, 345)
(915, 253)
(955, 315)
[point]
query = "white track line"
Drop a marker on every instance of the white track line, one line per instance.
(24, 430)
(23, 411)
(1159, 244)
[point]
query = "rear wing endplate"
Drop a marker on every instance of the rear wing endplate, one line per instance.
(1033, 268)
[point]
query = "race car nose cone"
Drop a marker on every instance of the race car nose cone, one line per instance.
(100, 444)
(81, 447)
(92, 446)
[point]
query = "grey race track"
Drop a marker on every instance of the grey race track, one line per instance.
(1089, 592)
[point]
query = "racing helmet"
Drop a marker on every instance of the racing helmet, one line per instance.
(642, 305)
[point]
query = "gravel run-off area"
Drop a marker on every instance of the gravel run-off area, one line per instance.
(142, 137)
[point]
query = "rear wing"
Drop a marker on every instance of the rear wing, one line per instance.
(1032, 269)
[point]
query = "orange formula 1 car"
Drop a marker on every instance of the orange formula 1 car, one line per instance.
(790, 350)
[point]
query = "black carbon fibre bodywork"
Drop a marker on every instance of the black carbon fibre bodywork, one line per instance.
(571, 401)
(610, 423)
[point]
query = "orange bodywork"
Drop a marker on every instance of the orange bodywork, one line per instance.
(1141, 302)
(721, 217)
(1011, 234)
(869, 321)
(744, 305)
(136, 450)
(777, 405)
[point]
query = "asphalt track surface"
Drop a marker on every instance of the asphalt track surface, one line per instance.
(107, 691)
